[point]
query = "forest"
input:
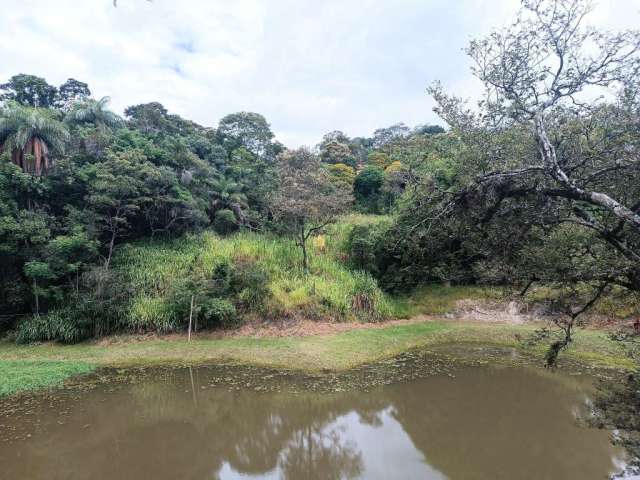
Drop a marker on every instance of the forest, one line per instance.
(149, 223)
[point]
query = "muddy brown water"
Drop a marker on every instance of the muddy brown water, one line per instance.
(475, 423)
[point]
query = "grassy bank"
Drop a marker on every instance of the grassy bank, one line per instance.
(33, 366)
(23, 375)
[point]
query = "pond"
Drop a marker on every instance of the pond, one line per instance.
(188, 423)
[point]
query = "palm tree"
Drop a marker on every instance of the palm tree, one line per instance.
(30, 134)
(228, 194)
(93, 111)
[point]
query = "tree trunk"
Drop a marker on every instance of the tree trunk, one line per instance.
(237, 211)
(37, 149)
(37, 157)
(190, 318)
(17, 156)
(303, 245)
(110, 253)
(36, 296)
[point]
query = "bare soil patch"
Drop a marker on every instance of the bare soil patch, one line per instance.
(491, 311)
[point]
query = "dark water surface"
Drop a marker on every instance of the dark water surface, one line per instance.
(481, 423)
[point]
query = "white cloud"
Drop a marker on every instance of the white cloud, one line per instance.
(308, 66)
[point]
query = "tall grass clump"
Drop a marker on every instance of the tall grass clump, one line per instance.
(60, 325)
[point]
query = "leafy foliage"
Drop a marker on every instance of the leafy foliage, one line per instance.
(224, 222)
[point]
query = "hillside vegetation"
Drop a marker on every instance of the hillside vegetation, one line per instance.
(230, 280)
(265, 274)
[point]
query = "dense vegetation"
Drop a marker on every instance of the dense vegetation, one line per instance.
(538, 186)
(81, 188)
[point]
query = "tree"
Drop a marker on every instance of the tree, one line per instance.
(367, 186)
(166, 203)
(395, 181)
(342, 173)
(335, 152)
(95, 112)
(428, 130)
(72, 91)
(29, 90)
(115, 196)
(306, 201)
(151, 118)
(248, 130)
(154, 119)
(378, 159)
(529, 78)
(336, 136)
(575, 165)
(229, 195)
(62, 258)
(389, 135)
(30, 134)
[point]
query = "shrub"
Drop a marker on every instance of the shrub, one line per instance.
(221, 278)
(224, 222)
(250, 284)
(362, 246)
(218, 312)
(367, 186)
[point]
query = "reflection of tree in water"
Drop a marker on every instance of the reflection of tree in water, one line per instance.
(167, 429)
(316, 451)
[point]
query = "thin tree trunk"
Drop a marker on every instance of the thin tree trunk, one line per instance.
(111, 245)
(193, 388)
(190, 318)
(303, 245)
(36, 296)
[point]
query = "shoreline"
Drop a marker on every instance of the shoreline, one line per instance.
(26, 368)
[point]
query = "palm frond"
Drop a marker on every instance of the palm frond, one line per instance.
(93, 111)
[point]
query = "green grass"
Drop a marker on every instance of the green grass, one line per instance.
(32, 366)
(22, 375)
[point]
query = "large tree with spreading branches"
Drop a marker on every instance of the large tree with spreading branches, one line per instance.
(556, 149)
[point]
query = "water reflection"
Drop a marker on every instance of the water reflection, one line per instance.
(485, 423)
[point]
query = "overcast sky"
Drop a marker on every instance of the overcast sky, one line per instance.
(308, 66)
